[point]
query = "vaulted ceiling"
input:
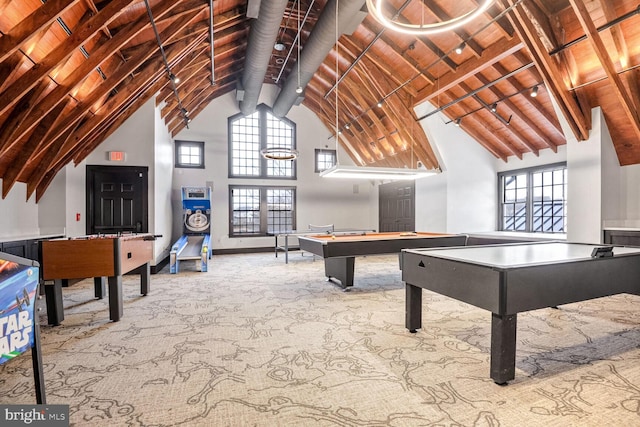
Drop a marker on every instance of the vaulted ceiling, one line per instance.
(72, 71)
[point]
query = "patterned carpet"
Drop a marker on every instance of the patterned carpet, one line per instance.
(256, 342)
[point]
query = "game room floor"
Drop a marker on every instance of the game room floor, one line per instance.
(255, 341)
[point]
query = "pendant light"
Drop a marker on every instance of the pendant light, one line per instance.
(366, 172)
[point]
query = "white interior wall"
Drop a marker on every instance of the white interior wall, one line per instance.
(75, 179)
(629, 194)
(52, 207)
(344, 203)
(611, 175)
(584, 178)
(19, 215)
(594, 181)
(161, 209)
(529, 160)
(463, 197)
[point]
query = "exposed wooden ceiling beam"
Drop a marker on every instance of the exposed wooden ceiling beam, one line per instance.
(444, 16)
(579, 121)
(33, 24)
(627, 103)
(543, 137)
(19, 163)
(489, 56)
(73, 80)
(623, 53)
(79, 36)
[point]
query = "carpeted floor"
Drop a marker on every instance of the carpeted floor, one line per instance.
(256, 342)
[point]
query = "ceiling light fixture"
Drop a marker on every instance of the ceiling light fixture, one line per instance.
(458, 121)
(375, 8)
(494, 107)
(279, 153)
(368, 172)
(279, 46)
(534, 92)
(364, 172)
(460, 48)
(172, 77)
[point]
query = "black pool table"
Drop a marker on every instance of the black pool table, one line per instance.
(339, 251)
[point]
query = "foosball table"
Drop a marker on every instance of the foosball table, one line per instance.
(104, 257)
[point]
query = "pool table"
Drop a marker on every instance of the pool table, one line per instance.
(339, 251)
(511, 278)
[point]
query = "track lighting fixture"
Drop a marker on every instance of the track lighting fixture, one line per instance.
(460, 48)
(494, 107)
(457, 121)
(379, 104)
(174, 78)
(534, 92)
(347, 126)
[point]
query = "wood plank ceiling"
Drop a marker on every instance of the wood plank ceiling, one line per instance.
(71, 72)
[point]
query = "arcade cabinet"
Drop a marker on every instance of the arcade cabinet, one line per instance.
(19, 327)
(196, 227)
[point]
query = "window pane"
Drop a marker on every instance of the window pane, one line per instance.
(279, 134)
(245, 136)
(325, 159)
(246, 211)
(510, 182)
(280, 210)
(510, 195)
(249, 135)
(189, 154)
(258, 211)
(545, 211)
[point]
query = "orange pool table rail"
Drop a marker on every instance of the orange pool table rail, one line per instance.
(339, 252)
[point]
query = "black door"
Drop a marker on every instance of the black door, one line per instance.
(117, 199)
(396, 206)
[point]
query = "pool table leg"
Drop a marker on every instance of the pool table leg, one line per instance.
(503, 347)
(115, 297)
(340, 268)
(413, 308)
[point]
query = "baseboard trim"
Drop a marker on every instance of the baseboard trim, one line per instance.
(159, 266)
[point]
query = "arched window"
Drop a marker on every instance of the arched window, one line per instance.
(250, 134)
